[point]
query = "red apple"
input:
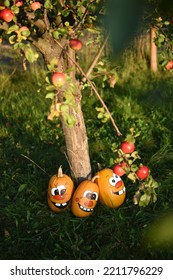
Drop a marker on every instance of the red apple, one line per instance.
(119, 168)
(169, 65)
(35, 6)
(6, 14)
(18, 3)
(127, 147)
(23, 28)
(75, 44)
(142, 172)
(58, 79)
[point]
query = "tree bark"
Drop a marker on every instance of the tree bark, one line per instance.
(76, 136)
(153, 50)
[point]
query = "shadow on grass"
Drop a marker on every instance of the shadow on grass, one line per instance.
(29, 230)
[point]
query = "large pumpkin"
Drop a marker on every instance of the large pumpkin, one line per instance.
(85, 199)
(112, 191)
(60, 190)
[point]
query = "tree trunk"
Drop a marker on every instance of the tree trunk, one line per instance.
(77, 144)
(75, 137)
(153, 51)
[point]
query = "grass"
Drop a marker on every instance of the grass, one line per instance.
(31, 149)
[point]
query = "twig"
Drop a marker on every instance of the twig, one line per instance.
(96, 58)
(94, 89)
(46, 20)
(36, 164)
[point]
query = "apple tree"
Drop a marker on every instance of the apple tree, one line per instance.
(52, 28)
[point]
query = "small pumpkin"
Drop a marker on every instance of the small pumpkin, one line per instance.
(60, 190)
(85, 198)
(112, 191)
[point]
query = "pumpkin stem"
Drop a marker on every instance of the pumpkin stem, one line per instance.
(60, 173)
(95, 177)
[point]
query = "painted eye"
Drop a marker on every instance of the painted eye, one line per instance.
(59, 190)
(87, 194)
(112, 181)
(117, 178)
(91, 195)
(95, 196)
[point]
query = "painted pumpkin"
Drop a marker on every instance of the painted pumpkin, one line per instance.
(60, 190)
(112, 191)
(85, 199)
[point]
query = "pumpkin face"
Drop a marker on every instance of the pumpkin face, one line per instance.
(85, 199)
(60, 190)
(112, 191)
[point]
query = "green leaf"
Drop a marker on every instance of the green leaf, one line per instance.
(132, 177)
(28, 215)
(6, 3)
(50, 88)
(26, 33)
(53, 63)
(48, 4)
(22, 187)
(12, 39)
(56, 34)
(100, 115)
(47, 80)
(15, 9)
(31, 56)
(144, 200)
(71, 120)
(13, 28)
(50, 95)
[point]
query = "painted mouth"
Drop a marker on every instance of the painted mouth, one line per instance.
(85, 209)
(120, 192)
(61, 205)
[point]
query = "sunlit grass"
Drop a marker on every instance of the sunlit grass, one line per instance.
(30, 145)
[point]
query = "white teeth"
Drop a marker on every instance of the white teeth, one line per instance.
(86, 209)
(120, 192)
(59, 204)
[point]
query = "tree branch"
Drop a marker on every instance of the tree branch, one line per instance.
(94, 89)
(96, 58)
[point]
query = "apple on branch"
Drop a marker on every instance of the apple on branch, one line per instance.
(6, 15)
(127, 147)
(75, 44)
(120, 168)
(143, 172)
(169, 65)
(58, 79)
(18, 3)
(35, 6)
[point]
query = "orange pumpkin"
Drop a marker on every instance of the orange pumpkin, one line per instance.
(85, 199)
(112, 191)
(60, 190)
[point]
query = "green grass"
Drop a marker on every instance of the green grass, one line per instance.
(31, 149)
